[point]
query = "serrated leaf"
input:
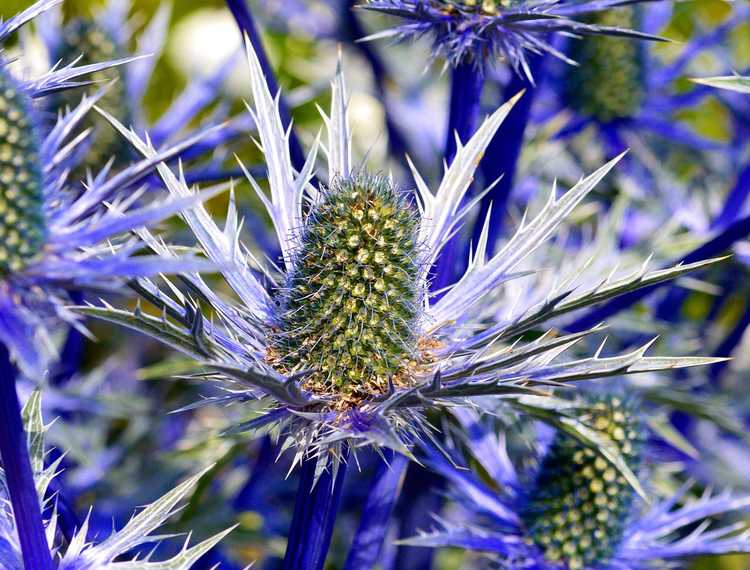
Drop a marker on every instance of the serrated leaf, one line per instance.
(137, 530)
(160, 329)
(268, 381)
(182, 561)
(567, 302)
(35, 430)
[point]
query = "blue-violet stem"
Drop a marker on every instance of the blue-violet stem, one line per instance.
(501, 157)
(376, 514)
(352, 31)
(421, 500)
(71, 355)
(467, 81)
(736, 199)
(728, 345)
(670, 307)
(315, 512)
(19, 476)
(245, 21)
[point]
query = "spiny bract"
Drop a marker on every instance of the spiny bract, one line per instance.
(22, 221)
(350, 305)
(92, 43)
(578, 509)
(608, 83)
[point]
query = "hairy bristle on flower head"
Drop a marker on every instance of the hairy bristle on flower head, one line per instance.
(22, 223)
(89, 41)
(349, 309)
(580, 503)
(608, 82)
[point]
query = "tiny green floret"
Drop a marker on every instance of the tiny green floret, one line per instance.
(579, 504)
(89, 41)
(22, 221)
(608, 83)
(349, 309)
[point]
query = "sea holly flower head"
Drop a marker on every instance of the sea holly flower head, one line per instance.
(613, 64)
(347, 343)
(579, 503)
(349, 310)
(80, 553)
(53, 234)
(481, 31)
(579, 512)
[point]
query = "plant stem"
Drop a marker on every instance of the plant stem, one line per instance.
(314, 515)
(422, 499)
(375, 518)
(503, 153)
(19, 476)
(72, 352)
(467, 81)
(246, 23)
(351, 30)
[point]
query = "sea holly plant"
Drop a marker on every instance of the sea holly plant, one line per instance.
(81, 552)
(481, 32)
(573, 510)
(53, 233)
(54, 240)
(343, 346)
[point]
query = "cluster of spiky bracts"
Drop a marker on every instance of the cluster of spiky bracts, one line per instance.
(349, 309)
(92, 43)
(579, 504)
(487, 7)
(22, 220)
(607, 84)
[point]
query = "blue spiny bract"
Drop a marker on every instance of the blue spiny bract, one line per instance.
(349, 310)
(89, 41)
(580, 503)
(22, 223)
(608, 83)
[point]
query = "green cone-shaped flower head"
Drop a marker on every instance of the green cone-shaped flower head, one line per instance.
(349, 310)
(22, 221)
(608, 83)
(489, 7)
(580, 503)
(92, 43)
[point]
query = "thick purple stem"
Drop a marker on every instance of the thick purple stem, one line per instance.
(376, 514)
(422, 498)
(465, 102)
(503, 152)
(352, 31)
(19, 477)
(72, 352)
(314, 515)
